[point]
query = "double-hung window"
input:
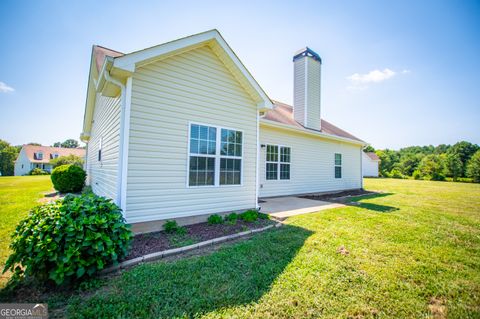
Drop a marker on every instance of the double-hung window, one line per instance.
(338, 165)
(277, 162)
(215, 156)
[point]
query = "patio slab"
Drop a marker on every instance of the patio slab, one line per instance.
(282, 207)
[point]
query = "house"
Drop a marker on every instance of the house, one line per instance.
(34, 156)
(370, 162)
(182, 130)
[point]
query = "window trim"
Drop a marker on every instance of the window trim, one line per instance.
(278, 162)
(217, 156)
(335, 165)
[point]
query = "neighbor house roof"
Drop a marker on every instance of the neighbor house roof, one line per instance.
(373, 156)
(49, 151)
(283, 113)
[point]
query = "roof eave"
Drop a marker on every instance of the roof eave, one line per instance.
(307, 132)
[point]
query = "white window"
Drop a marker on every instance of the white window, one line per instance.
(215, 156)
(38, 155)
(338, 165)
(277, 162)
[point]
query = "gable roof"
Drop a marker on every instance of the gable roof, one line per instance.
(48, 152)
(108, 63)
(373, 156)
(283, 113)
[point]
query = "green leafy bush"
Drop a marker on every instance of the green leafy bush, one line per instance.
(215, 219)
(263, 216)
(68, 178)
(250, 215)
(231, 218)
(395, 173)
(67, 160)
(473, 167)
(69, 239)
(172, 227)
(38, 171)
(416, 174)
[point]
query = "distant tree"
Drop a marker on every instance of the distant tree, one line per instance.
(453, 165)
(8, 155)
(473, 167)
(465, 150)
(69, 159)
(388, 159)
(34, 143)
(369, 149)
(70, 143)
(409, 163)
(432, 168)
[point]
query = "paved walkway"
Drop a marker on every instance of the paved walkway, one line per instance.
(282, 207)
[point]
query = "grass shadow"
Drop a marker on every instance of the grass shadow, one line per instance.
(357, 202)
(236, 274)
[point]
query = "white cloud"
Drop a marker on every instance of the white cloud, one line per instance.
(361, 82)
(406, 71)
(4, 88)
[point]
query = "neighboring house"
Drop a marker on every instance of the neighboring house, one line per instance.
(182, 130)
(370, 164)
(33, 156)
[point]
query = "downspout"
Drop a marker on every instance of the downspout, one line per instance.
(109, 78)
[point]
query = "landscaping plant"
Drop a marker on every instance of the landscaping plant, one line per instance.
(69, 239)
(68, 178)
(215, 219)
(38, 171)
(250, 215)
(231, 218)
(172, 227)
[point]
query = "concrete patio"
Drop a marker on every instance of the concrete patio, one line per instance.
(282, 207)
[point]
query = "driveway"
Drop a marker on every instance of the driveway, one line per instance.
(282, 207)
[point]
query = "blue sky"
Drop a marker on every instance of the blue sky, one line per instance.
(394, 73)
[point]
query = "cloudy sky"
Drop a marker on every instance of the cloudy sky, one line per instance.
(394, 73)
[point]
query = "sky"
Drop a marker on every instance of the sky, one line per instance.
(394, 73)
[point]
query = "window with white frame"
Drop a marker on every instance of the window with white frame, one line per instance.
(277, 162)
(38, 155)
(338, 165)
(214, 149)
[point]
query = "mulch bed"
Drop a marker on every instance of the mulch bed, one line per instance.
(144, 244)
(339, 196)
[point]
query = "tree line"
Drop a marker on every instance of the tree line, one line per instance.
(458, 162)
(9, 153)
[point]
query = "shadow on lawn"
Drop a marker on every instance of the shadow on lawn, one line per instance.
(356, 201)
(235, 275)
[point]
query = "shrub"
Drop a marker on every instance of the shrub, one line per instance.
(416, 174)
(215, 219)
(395, 173)
(263, 216)
(67, 160)
(172, 227)
(231, 218)
(473, 167)
(68, 178)
(69, 239)
(432, 168)
(250, 215)
(38, 171)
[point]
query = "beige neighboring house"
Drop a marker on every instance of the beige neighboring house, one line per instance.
(33, 156)
(182, 130)
(370, 164)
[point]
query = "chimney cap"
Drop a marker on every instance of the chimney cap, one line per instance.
(307, 52)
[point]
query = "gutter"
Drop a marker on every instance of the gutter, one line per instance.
(317, 134)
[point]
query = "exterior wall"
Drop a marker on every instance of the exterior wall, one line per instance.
(299, 90)
(22, 160)
(102, 175)
(369, 166)
(194, 86)
(312, 167)
(313, 94)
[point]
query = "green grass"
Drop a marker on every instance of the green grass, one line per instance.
(17, 195)
(413, 252)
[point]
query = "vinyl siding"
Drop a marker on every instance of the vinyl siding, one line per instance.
(194, 86)
(313, 108)
(369, 167)
(102, 175)
(299, 90)
(22, 159)
(312, 166)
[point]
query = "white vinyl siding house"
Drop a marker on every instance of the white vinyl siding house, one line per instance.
(167, 96)
(312, 167)
(102, 174)
(180, 128)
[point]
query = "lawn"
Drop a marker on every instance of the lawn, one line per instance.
(17, 195)
(411, 252)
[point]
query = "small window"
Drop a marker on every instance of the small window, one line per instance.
(277, 162)
(338, 165)
(38, 156)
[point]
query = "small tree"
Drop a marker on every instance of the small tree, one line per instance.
(432, 168)
(453, 165)
(8, 155)
(473, 167)
(65, 160)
